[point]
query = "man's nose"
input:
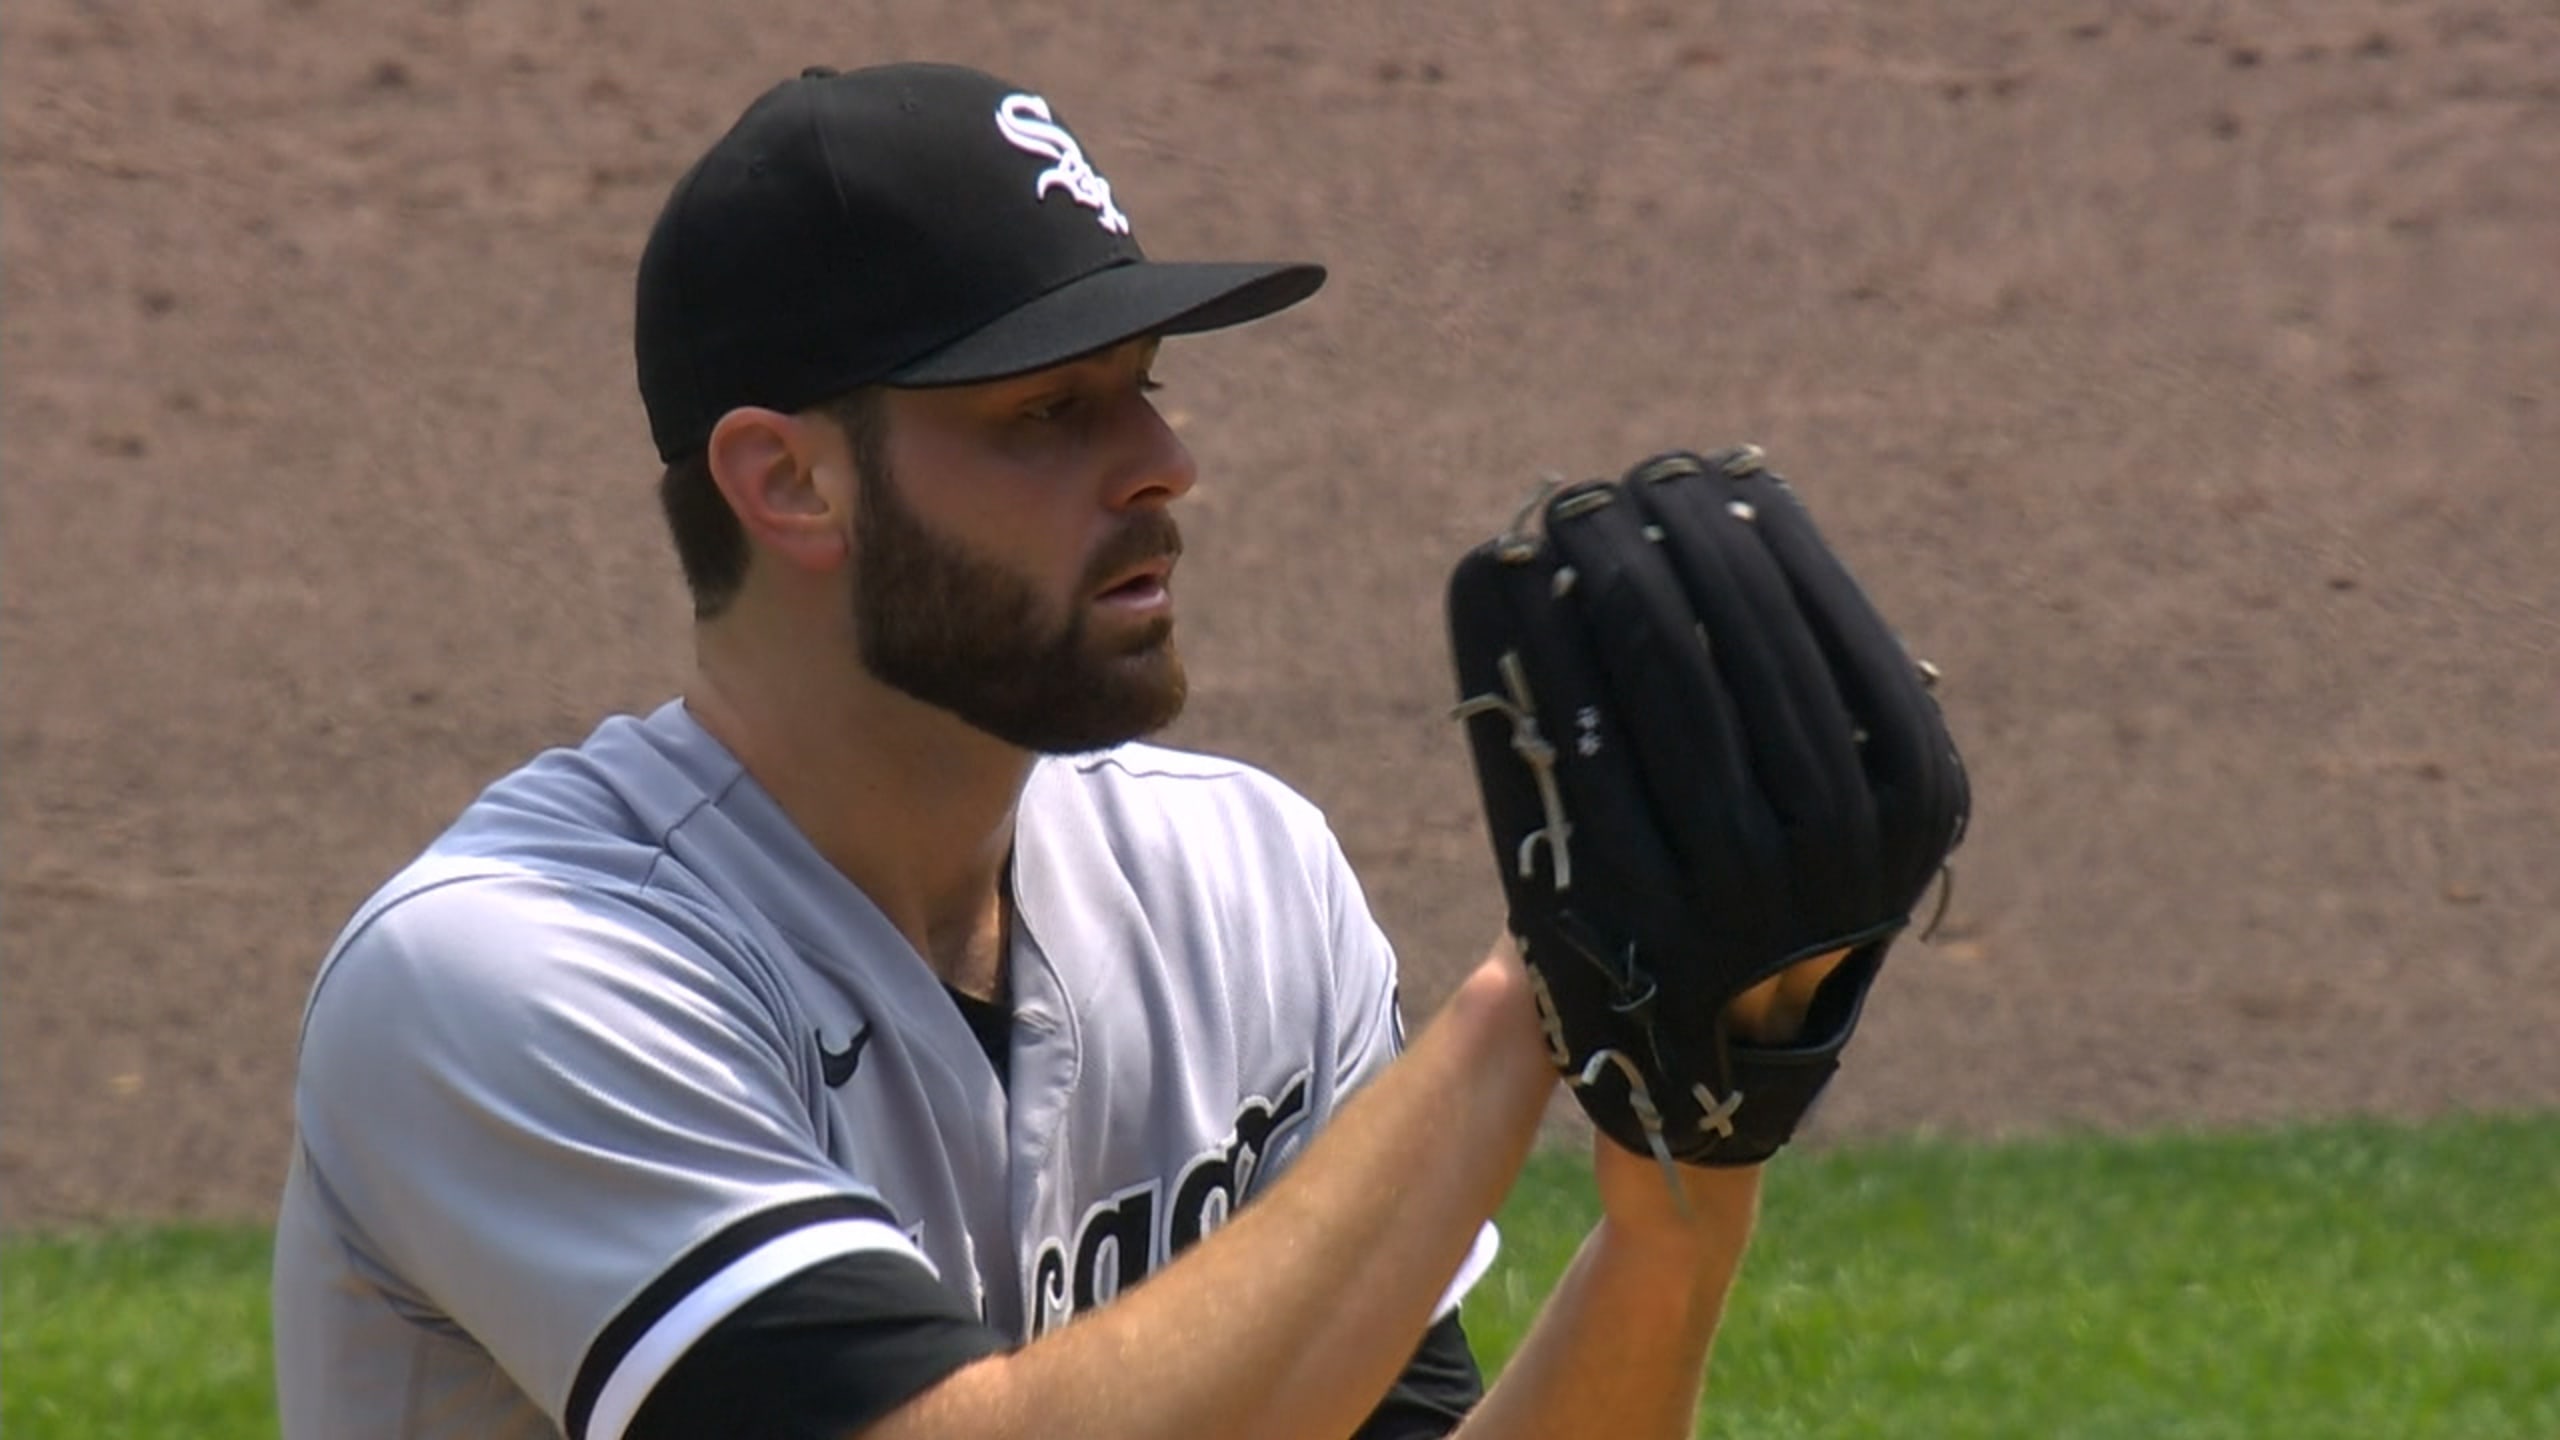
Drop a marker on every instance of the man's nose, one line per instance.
(1160, 469)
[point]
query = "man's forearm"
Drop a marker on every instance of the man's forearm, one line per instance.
(1333, 1272)
(1620, 1348)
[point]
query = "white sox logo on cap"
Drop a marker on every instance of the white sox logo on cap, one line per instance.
(1025, 123)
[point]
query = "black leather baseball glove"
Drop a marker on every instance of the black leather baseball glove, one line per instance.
(1705, 758)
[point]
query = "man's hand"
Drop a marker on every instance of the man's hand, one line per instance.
(1771, 1013)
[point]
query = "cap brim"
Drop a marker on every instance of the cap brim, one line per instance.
(1108, 306)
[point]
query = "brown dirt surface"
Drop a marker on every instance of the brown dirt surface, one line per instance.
(2188, 388)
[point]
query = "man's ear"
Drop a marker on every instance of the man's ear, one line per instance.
(766, 463)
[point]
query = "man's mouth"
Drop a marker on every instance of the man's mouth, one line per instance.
(1141, 585)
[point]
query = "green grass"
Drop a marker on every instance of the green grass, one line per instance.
(2346, 1281)
(136, 1333)
(2366, 1281)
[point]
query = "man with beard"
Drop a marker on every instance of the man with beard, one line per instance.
(798, 1059)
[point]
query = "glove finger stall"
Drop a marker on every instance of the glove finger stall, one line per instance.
(1583, 834)
(1688, 755)
(1801, 738)
(1911, 762)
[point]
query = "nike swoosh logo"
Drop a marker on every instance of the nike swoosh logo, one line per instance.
(838, 1064)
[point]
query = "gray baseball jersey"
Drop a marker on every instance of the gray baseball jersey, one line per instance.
(621, 1051)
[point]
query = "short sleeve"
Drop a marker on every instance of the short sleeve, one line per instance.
(1372, 1030)
(1364, 965)
(570, 1127)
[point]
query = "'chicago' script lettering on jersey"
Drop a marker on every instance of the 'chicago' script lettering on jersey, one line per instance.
(1025, 123)
(1121, 1239)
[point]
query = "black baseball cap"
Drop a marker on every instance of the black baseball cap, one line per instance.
(910, 225)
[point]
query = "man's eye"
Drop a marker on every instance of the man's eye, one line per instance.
(1053, 408)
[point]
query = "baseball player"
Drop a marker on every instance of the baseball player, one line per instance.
(882, 1039)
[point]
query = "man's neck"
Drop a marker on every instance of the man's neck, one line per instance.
(914, 806)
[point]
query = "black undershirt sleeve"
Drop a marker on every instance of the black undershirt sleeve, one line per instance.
(818, 1356)
(1439, 1386)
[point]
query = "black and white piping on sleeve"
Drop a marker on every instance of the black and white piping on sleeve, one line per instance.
(638, 1346)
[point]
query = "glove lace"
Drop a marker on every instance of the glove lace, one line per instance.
(1521, 709)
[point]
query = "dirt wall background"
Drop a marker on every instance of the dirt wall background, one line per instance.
(2185, 378)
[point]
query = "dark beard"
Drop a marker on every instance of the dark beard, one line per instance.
(962, 633)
